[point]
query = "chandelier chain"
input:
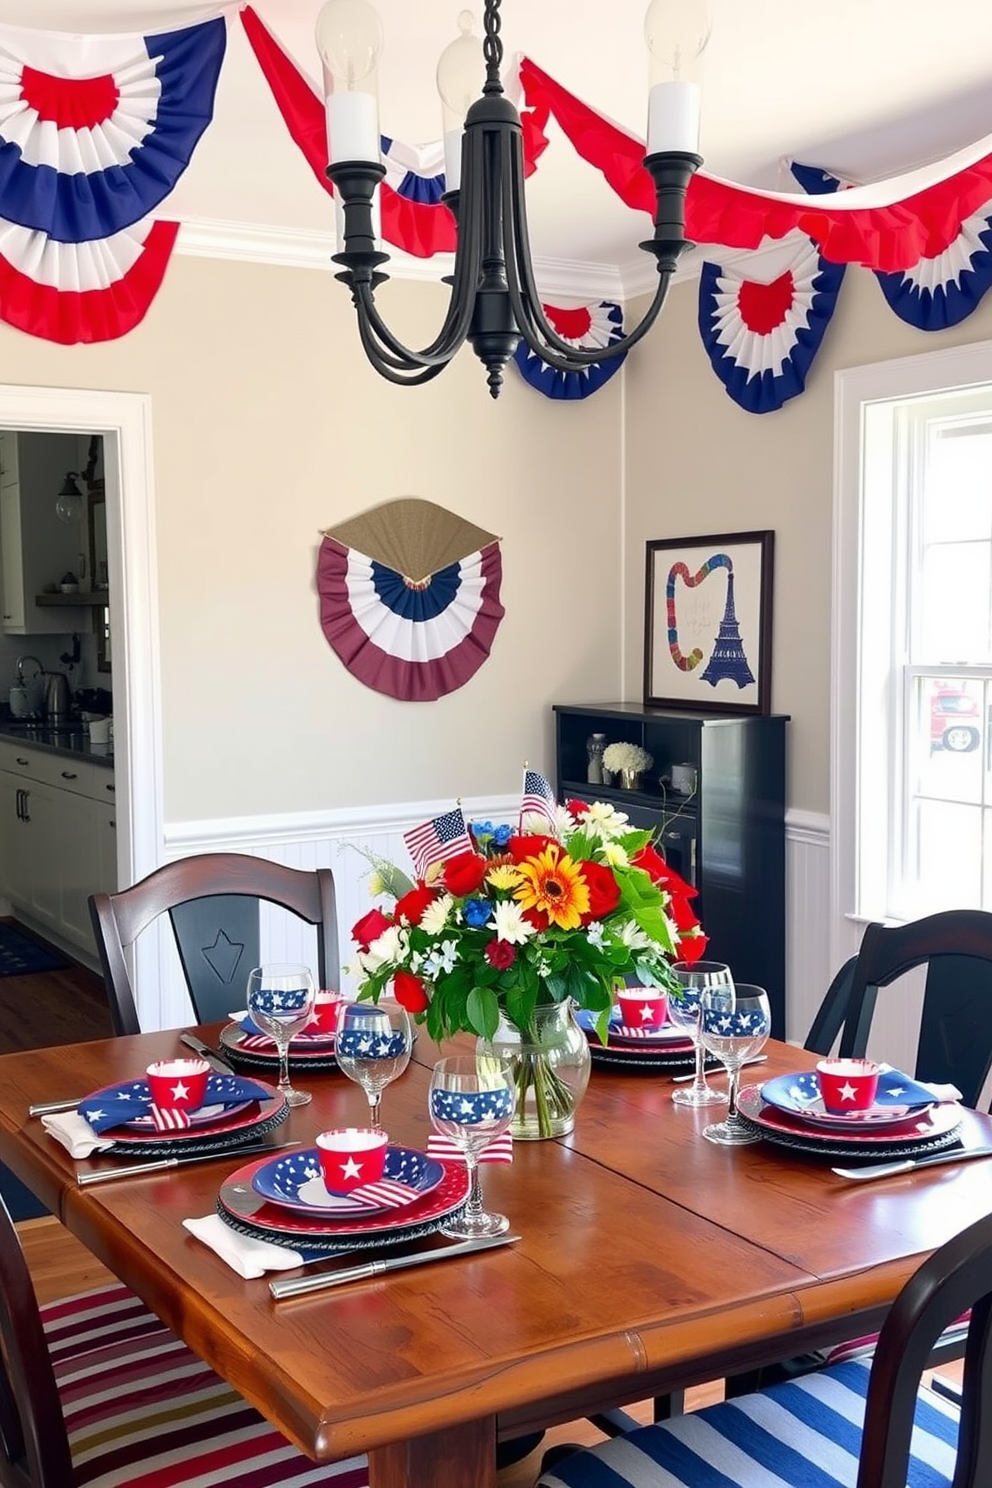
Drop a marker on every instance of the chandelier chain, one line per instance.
(492, 47)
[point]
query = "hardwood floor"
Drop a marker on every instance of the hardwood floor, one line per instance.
(68, 1006)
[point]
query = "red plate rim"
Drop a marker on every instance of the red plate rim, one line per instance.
(942, 1117)
(252, 1113)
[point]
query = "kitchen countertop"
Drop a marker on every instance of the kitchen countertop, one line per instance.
(70, 741)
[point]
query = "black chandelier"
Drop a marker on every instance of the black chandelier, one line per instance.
(494, 301)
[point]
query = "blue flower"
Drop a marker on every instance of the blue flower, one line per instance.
(477, 912)
(502, 835)
(481, 830)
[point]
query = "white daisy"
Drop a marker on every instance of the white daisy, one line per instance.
(389, 947)
(615, 855)
(436, 915)
(511, 926)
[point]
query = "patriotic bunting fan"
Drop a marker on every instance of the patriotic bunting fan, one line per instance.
(761, 338)
(409, 598)
(599, 324)
(95, 131)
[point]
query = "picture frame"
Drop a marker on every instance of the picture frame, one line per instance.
(708, 622)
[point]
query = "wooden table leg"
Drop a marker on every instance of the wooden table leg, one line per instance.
(458, 1457)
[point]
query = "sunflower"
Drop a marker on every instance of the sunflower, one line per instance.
(553, 885)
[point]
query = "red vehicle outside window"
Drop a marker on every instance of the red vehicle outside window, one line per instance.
(954, 720)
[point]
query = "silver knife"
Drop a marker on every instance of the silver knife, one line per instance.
(214, 1057)
(48, 1108)
(296, 1286)
(132, 1170)
(889, 1170)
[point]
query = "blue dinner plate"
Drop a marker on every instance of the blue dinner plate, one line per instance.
(897, 1097)
(293, 1180)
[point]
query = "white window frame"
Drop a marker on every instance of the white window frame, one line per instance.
(861, 791)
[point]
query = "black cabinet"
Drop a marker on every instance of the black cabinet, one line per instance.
(727, 837)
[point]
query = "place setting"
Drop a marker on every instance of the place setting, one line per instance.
(287, 1022)
(853, 1109)
(643, 1033)
(354, 1190)
(179, 1110)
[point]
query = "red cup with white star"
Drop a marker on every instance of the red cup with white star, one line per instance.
(642, 1009)
(350, 1157)
(324, 1018)
(847, 1084)
(178, 1084)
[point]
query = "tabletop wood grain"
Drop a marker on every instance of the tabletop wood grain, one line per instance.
(649, 1258)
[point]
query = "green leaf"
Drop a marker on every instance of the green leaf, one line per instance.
(482, 1011)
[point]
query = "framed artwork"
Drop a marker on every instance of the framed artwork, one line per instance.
(708, 622)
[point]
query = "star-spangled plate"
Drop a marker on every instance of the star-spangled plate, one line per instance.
(897, 1099)
(293, 1181)
(249, 1212)
(927, 1131)
(232, 1125)
(640, 1054)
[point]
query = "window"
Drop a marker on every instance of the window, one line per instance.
(913, 638)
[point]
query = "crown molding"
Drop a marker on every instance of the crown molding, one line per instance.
(254, 242)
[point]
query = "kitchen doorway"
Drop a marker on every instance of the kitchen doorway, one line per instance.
(124, 422)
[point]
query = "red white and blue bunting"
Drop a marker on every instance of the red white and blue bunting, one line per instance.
(762, 336)
(940, 290)
(95, 131)
(415, 616)
(587, 327)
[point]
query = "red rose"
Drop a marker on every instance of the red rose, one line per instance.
(577, 809)
(411, 907)
(370, 927)
(521, 848)
(410, 992)
(604, 891)
(666, 878)
(500, 953)
(464, 874)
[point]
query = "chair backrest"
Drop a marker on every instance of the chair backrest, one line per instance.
(826, 1026)
(957, 1277)
(34, 1448)
(955, 1042)
(212, 901)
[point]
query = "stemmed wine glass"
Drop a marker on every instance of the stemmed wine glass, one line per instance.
(734, 1023)
(280, 1002)
(470, 1102)
(372, 1047)
(694, 978)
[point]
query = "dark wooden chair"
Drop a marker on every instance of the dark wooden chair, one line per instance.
(212, 901)
(808, 1430)
(95, 1389)
(955, 1039)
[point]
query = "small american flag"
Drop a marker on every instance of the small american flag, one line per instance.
(500, 1149)
(444, 837)
(169, 1118)
(538, 799)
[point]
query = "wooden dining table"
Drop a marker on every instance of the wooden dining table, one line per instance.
(649, 1259)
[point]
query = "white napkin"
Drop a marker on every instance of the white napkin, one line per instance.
(76, 1135)
(248, 1257)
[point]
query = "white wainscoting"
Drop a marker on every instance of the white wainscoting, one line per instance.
(338, 839)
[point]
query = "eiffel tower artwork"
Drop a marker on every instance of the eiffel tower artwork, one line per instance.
(727, 660)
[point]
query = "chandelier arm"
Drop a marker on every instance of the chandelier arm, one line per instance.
(391, 368)
(458, 316)
(540, 336)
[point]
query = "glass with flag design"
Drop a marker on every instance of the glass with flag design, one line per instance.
(471, 1102)
(734, 1024)
(694, 978)
(280, 1001)
(373, 1047)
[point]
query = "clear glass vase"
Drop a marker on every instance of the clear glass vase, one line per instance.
(550, 1064)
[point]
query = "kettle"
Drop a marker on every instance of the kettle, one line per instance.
(56, 697)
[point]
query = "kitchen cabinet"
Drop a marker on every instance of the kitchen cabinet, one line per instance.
(57, 839)
(726, 837)
(36, 548)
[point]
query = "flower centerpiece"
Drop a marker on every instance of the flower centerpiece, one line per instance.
(629, 761)
(501, 923)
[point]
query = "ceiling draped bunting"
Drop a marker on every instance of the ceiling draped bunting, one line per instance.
(409, 598)
(586, 326)
(95, 131)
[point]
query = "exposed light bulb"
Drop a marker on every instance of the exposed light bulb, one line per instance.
(460, 72)
(676, 32)
(349, 39)
(69, 501)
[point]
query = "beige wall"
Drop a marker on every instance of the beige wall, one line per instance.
(269, 426)
(696, 463)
